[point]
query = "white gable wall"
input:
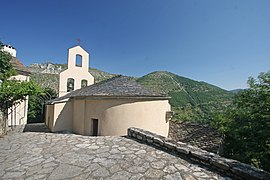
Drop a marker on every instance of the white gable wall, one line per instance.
(75, 72)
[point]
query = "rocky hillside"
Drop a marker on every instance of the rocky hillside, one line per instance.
(47, 68)
(191, 100)
(46, 74)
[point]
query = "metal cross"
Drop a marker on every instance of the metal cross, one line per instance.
(79, 41)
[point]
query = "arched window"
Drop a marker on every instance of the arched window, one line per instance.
(78, 60)
(84, 83)
(70, 84)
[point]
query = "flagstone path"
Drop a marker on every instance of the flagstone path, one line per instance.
(43, 155)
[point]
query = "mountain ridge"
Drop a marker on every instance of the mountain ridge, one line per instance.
(190, 99)
(235, 91)
(46, 74)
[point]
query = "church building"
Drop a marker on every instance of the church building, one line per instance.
(106, 108)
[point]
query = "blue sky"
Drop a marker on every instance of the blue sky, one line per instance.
(220, 42)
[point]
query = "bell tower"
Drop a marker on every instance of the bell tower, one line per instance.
(77, 75)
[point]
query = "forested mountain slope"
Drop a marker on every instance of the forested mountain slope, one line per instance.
(191, 100)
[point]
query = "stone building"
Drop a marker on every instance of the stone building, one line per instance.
(106, 108)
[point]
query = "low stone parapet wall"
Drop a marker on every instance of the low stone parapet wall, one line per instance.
(226, 166)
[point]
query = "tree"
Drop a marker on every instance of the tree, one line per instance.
(246, 124)
(12, 91)
(36, 105)
(6, 69)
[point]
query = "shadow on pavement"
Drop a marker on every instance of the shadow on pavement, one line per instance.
(36, 127)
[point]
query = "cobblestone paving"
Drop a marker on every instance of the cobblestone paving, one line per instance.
(40, 155)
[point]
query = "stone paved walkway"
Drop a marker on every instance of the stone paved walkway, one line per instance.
(40, 155)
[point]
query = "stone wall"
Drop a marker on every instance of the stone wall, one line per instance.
(226, 166)
(195, 134)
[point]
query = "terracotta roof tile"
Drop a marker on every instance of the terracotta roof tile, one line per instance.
(18, 66)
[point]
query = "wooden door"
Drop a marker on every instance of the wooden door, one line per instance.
(95, 127)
